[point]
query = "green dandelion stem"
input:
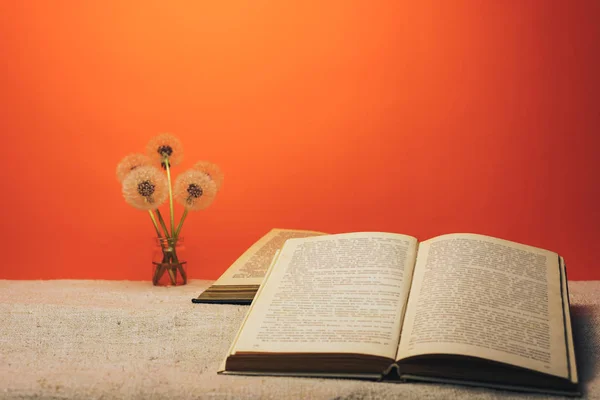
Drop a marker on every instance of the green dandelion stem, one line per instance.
(166, 161)
(155, 224)
(177, 263)
(185, 213)
(171, 256)
(172, 275)
(162, 223)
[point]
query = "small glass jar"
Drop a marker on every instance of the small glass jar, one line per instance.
(168, 262)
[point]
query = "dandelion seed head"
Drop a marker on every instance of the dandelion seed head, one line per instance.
(164, 146)
(195, 190)
(146, 187)
(130, 163)
(165, 151)
(212, 170)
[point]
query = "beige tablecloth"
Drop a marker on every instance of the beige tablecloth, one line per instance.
(119, 339)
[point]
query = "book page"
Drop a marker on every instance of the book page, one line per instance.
(568, 327)
(340, 293)
(479, 296)
(222, 367)
(250, 267)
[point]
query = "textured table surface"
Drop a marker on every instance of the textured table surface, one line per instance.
(120, 339)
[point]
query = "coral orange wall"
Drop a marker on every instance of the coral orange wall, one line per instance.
(414, 117)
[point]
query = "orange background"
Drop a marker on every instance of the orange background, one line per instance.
(414, 117)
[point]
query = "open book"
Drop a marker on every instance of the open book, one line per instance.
(460, 308)
(240, 282)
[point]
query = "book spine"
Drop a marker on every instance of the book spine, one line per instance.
(392, 373)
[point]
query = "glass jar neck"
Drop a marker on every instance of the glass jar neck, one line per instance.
(169, 241)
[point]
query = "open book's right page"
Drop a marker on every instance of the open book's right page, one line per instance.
(479, 296)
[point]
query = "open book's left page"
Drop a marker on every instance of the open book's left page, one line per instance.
(340, 293)
(242, 279)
